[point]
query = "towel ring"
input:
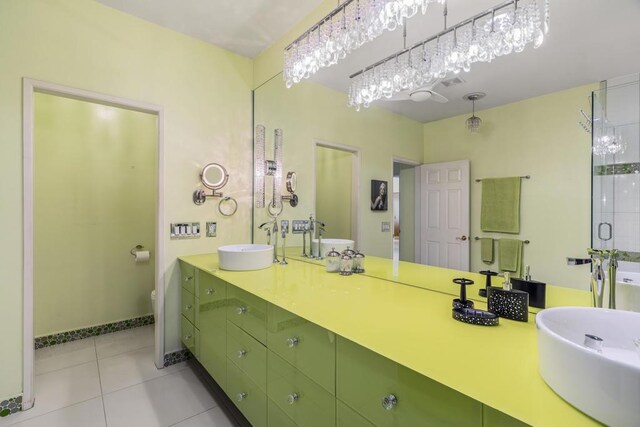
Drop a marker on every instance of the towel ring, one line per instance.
(277, 213)
(227, 199)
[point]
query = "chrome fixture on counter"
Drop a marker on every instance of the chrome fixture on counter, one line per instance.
(265, 226)
(506, 28)
(284, 225)
(272, 232)
(598, 279)
(346, 28)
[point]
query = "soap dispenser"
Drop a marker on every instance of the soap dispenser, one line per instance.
(537, 290)
(507, 302)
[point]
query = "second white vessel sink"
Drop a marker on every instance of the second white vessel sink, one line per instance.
(328, 244)
(245, 257)
(589, 356)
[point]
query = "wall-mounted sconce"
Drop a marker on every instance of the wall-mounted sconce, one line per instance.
(213, 176)
(264, 168)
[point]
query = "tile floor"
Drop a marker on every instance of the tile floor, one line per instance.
(111, 380)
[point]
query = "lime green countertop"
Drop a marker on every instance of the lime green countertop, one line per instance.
(412, 325)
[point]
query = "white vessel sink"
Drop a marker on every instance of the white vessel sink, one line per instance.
(328, 244)
(605, 384)
(245, 257)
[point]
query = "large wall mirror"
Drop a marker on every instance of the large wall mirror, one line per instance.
(529, 127)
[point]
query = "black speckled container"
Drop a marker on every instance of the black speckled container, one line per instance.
(475, 317)
(510, 304)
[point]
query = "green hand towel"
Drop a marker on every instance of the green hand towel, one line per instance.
(486, 250)
(511, 256)
(500, 210)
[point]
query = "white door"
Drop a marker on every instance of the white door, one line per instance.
(444, 210)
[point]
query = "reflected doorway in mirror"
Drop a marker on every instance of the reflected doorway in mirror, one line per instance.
(379, 190)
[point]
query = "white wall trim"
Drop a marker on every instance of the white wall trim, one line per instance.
(415, 164)
(355, 182)
(29, 87)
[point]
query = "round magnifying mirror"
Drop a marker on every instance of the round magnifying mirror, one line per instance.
(214, 176)
(291, 182)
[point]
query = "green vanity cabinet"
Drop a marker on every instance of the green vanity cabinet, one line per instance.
(248, 312)
(276, 416)
(347, 417)
(305, 345)
(388, 394)
(250, 399)
(494, 418)
(300, 398)
(248, 354)
(188, 306)
(190, 336)
(188, 277)
(212, 323)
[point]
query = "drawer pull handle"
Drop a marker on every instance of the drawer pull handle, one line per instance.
(188, 278)
(242, 353)
(292, 342)
(188, 337)
(242, 396)
(389, 402)
(293, 398)
(210, 291)
(241, 310)
(188, 307)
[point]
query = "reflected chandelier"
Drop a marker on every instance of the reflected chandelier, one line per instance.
(346, 28)
(506, 28)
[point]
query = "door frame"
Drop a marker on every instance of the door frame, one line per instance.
(355, 181)
(29, 88)
(416, 214)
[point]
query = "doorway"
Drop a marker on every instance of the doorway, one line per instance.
(404, 207)
(86, 232)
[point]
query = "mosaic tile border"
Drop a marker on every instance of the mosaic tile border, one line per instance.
(177, 357)
(10, 406)
(617, 169)
(93, 331)
(629, 256)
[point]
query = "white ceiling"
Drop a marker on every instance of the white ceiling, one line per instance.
(246, 27)
(589, 41)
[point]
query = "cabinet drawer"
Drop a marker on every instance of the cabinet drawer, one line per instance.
(347, 417)
(247, 354)
(305, 345)
(388, 394)
(248, 312)
(190, 336)
(277, 417)
(494, 418)
(211, 319)
(246, 395)
(210, 288)
(304, 401)
(188, 304)
(188, 276)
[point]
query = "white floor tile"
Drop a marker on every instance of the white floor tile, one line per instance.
(121, 342)
(212, 418)
(85, 414)
(59, 389)
(64, 355)
(160, 402)
(131, 368)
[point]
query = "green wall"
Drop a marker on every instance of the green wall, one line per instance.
(310, 113)
(94, 200)
(334, 188)
(537, 137)
(206, 95)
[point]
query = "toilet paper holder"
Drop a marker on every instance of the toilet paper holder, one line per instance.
(136, 249)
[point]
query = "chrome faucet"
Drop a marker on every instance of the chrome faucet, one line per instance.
(272, 232)
(263, 227)
(311, 235)
(284, 225)
(598, 282)
(320, 227)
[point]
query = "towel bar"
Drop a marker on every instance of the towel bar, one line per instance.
(522, 177)
(526, 242)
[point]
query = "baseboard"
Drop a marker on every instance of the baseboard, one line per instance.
(176, 357)
(93, 331)
(10, 406)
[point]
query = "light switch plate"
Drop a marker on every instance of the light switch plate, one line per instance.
(184, 230)
(299, 226)
(212, 229)
(386, 226)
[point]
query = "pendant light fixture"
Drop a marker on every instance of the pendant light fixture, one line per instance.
(474, 122)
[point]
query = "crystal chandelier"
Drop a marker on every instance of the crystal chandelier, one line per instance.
(473, 123)
(346, 28)
(506, 28)
(608, 141)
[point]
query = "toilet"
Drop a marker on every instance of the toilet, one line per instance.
(153, 304)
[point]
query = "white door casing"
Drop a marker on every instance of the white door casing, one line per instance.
(444, 215)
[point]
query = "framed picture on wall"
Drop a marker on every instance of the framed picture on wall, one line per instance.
(379, 190)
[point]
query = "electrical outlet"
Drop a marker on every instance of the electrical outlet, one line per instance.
(284, 225)
(386, 226)
(212, 228)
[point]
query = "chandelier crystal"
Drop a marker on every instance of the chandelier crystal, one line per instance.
(608, 141)
(508, 27)
(346, 28)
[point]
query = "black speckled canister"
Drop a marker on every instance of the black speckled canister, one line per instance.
(512, 304)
